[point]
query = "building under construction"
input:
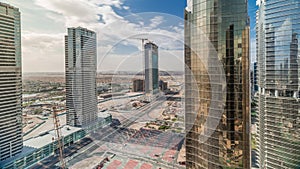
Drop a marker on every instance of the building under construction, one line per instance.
(138, 85)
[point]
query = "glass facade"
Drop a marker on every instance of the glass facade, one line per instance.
(10, 82)
(81, 67)
(32, 154)
(217, 117)
(151, 68)
(278, 31)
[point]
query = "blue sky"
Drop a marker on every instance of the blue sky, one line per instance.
(252, 14)
(174, 7)
(45, 22)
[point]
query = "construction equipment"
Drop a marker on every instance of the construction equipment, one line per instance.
(58, 138)
(142, 52)
(143, 40)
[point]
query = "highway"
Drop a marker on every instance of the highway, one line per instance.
(108, 131)
(52, 160)
(92, 141)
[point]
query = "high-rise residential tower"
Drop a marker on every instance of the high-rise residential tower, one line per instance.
(151, 68)
(217, 55)
(278, 61)
(81, 69)
(10, 82)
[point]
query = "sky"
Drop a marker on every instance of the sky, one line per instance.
(252, 8)
(119, 25)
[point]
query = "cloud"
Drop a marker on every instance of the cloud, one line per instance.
(167, 38)
(168, 61)
(115, 3)
(45, 22)
(258, 2)
(44, 55)
(82, 12)
(157, 20)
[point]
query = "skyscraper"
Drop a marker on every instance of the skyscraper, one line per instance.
(81, 67)
(217, 54)
(151, 68)
(278, 31)
(10, 82)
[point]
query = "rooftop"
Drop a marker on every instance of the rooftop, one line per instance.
(103, 114)
(7, 5)
(47, 137)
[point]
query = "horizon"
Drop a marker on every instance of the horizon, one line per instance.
(44, 45)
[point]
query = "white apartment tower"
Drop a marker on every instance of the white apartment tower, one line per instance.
(81, 67)
(10, 82)
(278, 33)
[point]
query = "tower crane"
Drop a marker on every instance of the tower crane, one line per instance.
(142, 51)
(143, 40)
(58, 137)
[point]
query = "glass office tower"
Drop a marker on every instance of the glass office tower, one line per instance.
(81, 69)
(278, 29)
(10, 82)
(217, 118)
(151, 68)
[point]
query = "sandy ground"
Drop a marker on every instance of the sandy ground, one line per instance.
(137, 126)
(33, 120)
(181, 155)
(87, 163)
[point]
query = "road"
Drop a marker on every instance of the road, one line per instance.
(106, 132)
(69, 151)
(88, 144)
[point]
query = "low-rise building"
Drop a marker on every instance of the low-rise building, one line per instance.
(138, 85)
(42, 146)
(163, 85)
(45, 144)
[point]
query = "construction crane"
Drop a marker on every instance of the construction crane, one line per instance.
(143, 59)
(142, 49)
(58, 138)
(143, 40)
